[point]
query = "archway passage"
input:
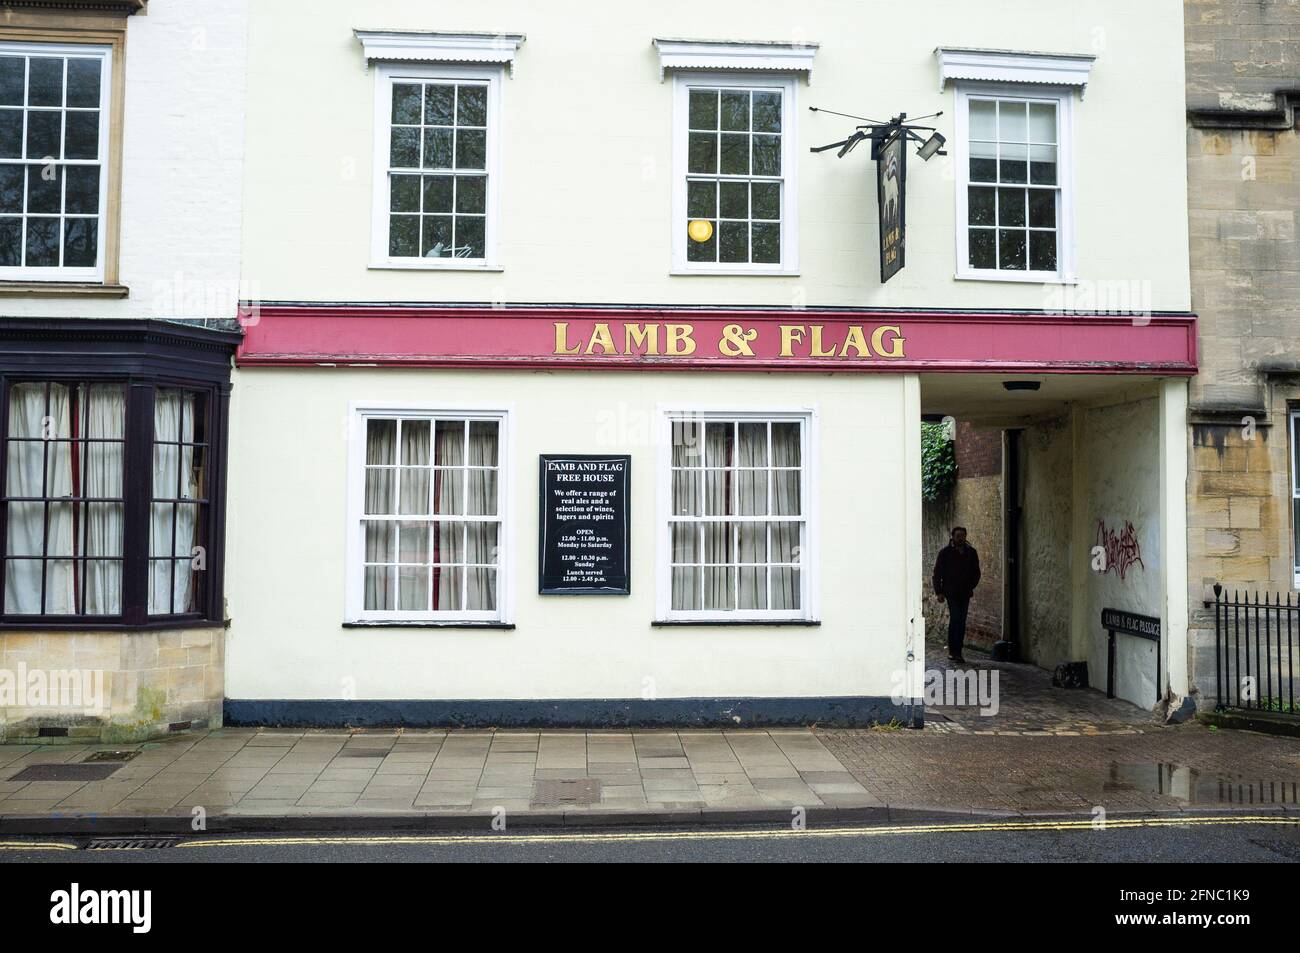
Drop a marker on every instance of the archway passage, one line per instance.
(1071, 488)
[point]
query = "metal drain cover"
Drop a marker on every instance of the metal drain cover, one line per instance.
(131, 843)
(550, 793)
(66, 772)
(112, 756)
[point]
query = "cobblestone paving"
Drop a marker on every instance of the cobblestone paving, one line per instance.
(1051, 749)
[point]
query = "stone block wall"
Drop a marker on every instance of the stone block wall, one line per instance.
(109, 686)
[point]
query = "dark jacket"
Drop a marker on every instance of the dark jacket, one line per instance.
(956, 572)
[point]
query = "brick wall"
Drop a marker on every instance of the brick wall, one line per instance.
(976, 503)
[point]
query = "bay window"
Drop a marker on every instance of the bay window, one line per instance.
(105, 505)
(736, 534)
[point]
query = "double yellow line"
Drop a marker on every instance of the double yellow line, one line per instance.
(697, 834)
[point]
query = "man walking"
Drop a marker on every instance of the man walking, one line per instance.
(956, 574)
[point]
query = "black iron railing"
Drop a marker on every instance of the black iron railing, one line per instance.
(1256, 638)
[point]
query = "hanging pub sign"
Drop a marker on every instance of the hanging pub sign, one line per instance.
(583, 530)
(891, 195)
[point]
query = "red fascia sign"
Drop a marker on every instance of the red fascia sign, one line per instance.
(717, 339)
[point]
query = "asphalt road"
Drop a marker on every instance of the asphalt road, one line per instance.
(1173, 840)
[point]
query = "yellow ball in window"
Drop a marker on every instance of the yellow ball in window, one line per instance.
(699, 230)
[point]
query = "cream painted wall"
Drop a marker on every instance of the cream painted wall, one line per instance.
(287, 524)
(587, 173)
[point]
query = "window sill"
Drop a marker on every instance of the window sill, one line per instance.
(735, 272)
(449, 624)
(61, 289)
(63, 625)
(761, 623)
(1027, 278)
(428, 266)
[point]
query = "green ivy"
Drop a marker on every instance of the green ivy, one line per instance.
(938, 461)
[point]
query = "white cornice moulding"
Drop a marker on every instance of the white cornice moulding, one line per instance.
(728, 55)
(1013, 66)
(422, 46)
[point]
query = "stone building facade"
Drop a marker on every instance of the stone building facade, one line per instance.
(1243, 158)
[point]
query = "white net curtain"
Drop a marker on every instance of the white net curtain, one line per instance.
(737, 523)
(431, 520)
(64, 467)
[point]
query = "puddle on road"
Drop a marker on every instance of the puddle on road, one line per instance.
(1193, 786)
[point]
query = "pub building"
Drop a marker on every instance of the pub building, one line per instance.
(579, 389)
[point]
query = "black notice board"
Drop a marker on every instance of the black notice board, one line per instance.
(583, 532)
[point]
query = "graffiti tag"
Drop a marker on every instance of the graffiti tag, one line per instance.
(1123, 551)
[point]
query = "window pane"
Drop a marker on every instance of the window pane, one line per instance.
(1042, 165)
(983, 162)
(686, 588)
(719, 587)
(1014, 164)
(404, 236)
(1042, 122)
(1011, 249)
(483, 439)
(733, 242)
(438, 148)
(701, 199)
(786, 445)
(379, 582)
(470, 231)
(11, 188)
(980, 206)
(983, 119)
(482, 493)
(702, 251)
(752, 538)
(439, 105)
(687, 494)
(753, 587)
(767, 155)
(703, 109)
(406, 104)
(412, 588)
(82, 194)
(436, 237)
(82, 135)
(735, 110)
(1011, 206)
(785, 588)
(785, 493)
(471, 149)
(786, 538)
(404, 149)
(1042, 208)
(481, 589)
(1012, 121)
(685, 542)
(83, 82)
(11, 241)
(44, 188)
(11, 133)
(80, 242)
(686, 443)
(43, 135)
(415, 443)
(471, 106)
(45, 81)
(734, 155)
(751, 492)
(413, 545)
(43, 242)
(471, 194)
(765, 238)
(437, 193)
(413, 495)
(403, 193)
(12, 80)
(733, 199)
(767, 112)
(766, 199)
(702, 148)
(1042, 251)
(381, 541)
(981, 248)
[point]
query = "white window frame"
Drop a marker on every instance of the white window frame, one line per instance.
(787, 85)
(1063, 98)
(386, 75)
(809, 575)
(355, 612)
(58, 273)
